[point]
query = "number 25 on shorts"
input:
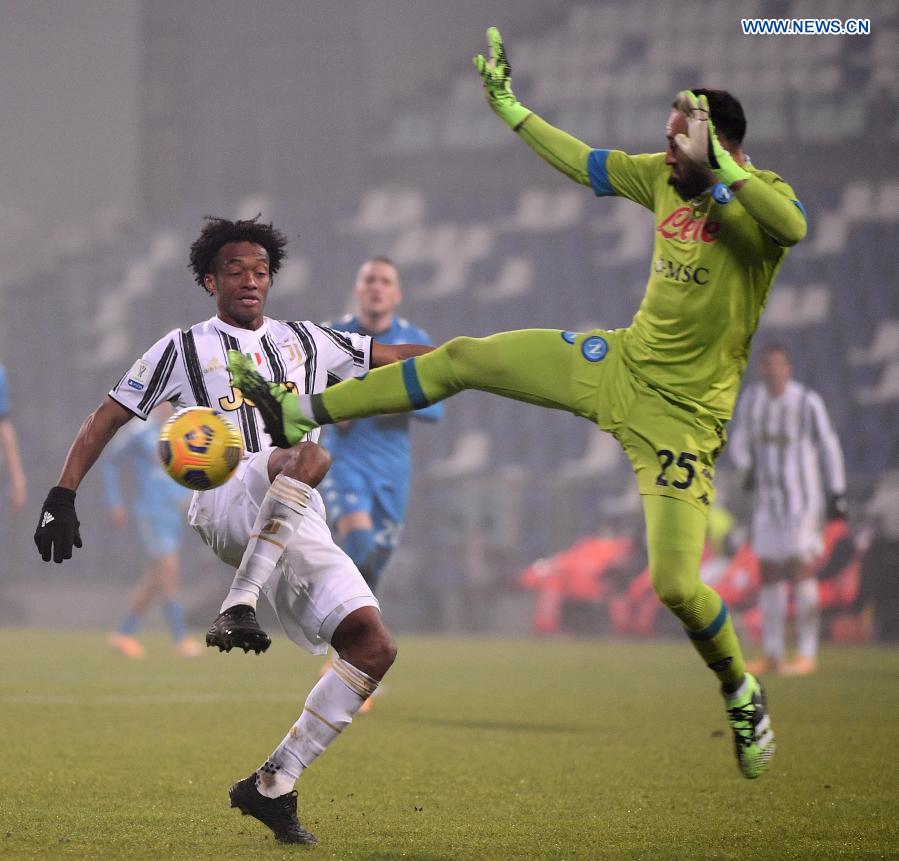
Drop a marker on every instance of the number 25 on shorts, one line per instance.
(685, 461)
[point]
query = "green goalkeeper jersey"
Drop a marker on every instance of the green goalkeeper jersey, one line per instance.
(712, 268)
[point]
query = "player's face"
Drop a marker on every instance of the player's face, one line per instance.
(775, 370)
(688, 178)
(377, 289)
(240, 283)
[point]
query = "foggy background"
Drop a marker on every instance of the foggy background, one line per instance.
(360, 129)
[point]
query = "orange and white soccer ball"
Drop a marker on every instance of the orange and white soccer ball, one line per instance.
(199, 448)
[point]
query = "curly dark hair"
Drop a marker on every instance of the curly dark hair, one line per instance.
(220, 231)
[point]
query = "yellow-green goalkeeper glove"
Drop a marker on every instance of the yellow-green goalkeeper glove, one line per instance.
(496, 73)
(701, 143)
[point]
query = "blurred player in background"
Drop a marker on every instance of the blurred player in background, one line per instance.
(665, 386)
(781, 438)
(267, 520)
(157, 507)
(9, 448)
(367, 488)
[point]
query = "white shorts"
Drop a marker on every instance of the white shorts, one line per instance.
(784, 538)
(315, 586)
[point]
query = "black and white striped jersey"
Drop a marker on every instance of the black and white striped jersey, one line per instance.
(787, 440)
(189, 368)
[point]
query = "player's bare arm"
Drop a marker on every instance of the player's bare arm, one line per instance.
(96, 432)
(58, 527)
(10, 452)
(387, 354)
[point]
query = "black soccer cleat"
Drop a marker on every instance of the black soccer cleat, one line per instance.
(279, 814)
(237, 627)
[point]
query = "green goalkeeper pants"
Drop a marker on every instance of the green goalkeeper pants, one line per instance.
(672, 444)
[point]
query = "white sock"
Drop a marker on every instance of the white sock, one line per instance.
(808, 618)
(329, 709)
(278, 519)
(773, 604)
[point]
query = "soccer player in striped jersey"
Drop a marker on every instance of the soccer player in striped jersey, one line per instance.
(782, 437)
(268, 520)
(666, 385)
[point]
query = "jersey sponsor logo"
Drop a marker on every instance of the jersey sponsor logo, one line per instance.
(681, 225)
(137, 376)
(722, 193)
(683, 273)
(595, 348)
(569, 337)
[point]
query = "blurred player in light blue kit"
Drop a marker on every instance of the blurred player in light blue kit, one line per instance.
(9, 449)
(158, 511)
(367, 489)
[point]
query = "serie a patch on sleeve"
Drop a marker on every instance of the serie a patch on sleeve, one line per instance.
(138, 375)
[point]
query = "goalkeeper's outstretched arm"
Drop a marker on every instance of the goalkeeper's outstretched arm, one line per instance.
(562, 150)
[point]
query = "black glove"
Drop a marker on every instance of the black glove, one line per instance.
(57, 530)
(836, 507)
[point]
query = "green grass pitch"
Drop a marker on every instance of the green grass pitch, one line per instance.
(478, 749)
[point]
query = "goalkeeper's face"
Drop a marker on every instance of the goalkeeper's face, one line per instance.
(688, 178)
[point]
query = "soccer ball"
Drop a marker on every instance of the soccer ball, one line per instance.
(199, 448)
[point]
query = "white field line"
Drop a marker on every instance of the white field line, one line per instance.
(140, 699)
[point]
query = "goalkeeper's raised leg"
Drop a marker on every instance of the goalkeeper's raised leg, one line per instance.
(502, 364)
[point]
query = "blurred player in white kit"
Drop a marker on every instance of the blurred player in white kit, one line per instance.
(782, 438)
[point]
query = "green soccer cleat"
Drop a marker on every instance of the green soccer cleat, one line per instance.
(279, 408)
(753, 736)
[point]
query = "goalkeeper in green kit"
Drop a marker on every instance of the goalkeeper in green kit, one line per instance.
(665, 386)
